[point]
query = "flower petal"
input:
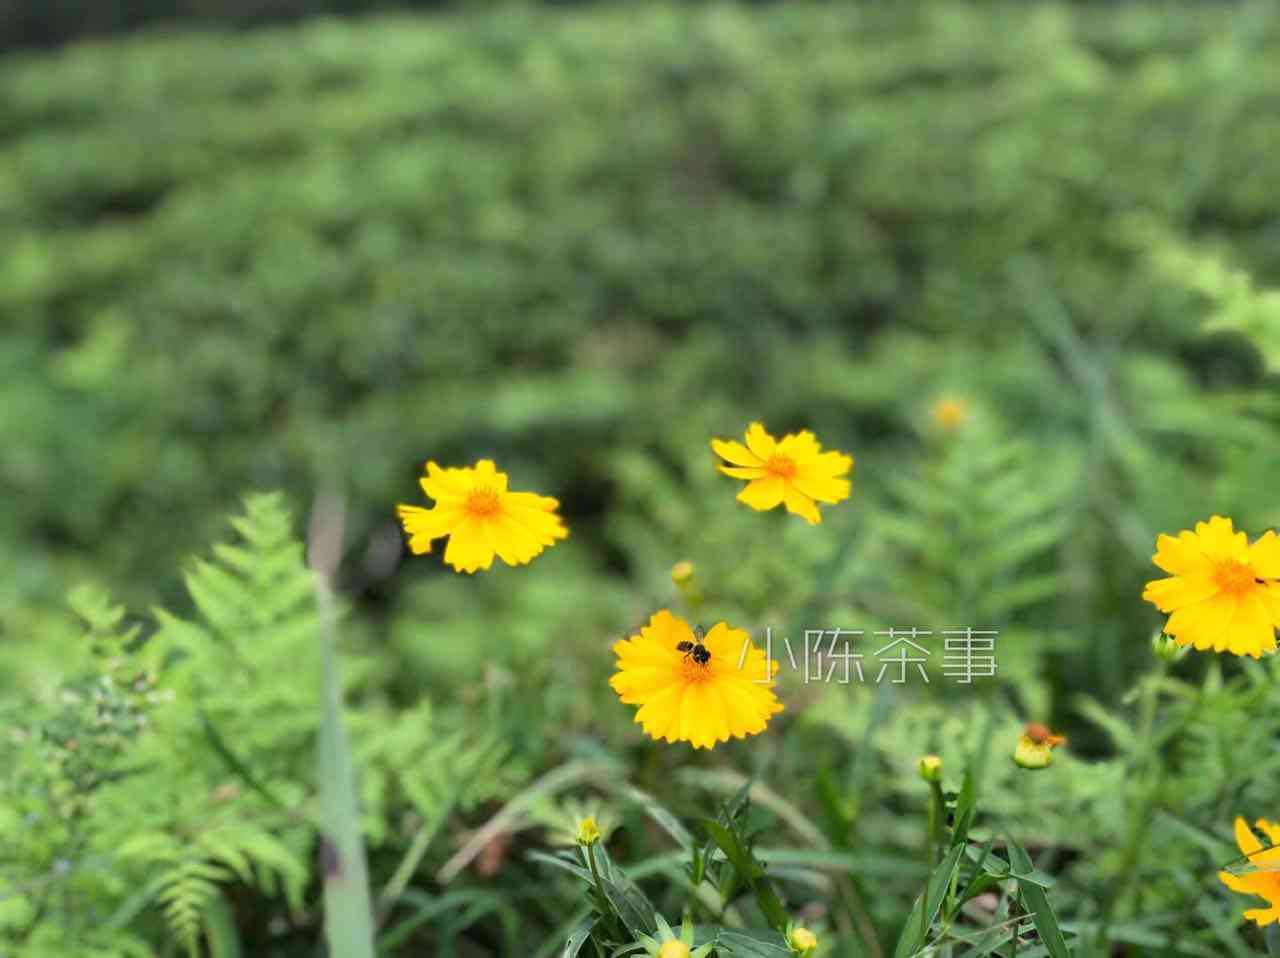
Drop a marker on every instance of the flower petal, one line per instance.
(423, 525)
(822, 488)
(743, 472)
(759, 441)
(798, 446)
(1219, 541)
(1251, 631)
(1204, 623)
(1181, 556)
(1245, 837)
(468, 548)
(513, 543)
(735, 452)
(534, 513)
(763, 494)
(1236, 883)
(446, 485)
(485, 473)
(1264, 556)
(1269, 596)
(800, 504)
(1179, 591)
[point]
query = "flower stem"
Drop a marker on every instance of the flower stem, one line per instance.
(1148, 787)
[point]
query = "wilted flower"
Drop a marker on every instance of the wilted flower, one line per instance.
(481, 518)
(1035, 746)
(1222, 592)
(1264, 884)
(792, 470)
(701, 689)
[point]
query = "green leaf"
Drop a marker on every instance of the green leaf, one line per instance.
(745, 945)
(348, 910)
(220, 929)
(733, 849)
(579, 936)
(912, 938)
(655, 810)
(625, 896)
(1041, 912)
(563, 862)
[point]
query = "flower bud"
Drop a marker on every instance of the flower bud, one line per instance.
(1166, 649)
(675, 948)
(682, 573)
(930, 768)
(802, 941)
(949, 414)
(588, 831)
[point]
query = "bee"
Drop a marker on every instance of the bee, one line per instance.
(696, 650)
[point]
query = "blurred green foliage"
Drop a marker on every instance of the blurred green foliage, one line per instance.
(583, 242)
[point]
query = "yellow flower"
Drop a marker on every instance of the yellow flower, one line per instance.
(792, 470)
(949, 414)
(1222, 591)
(690, 687)
(481, 518)
(1264, 884)
(668, 945)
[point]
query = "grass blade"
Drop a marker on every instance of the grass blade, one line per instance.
(348, 910)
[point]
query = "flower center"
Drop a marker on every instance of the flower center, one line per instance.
(780, 466)
(1233, 576)
(695, 671)
(483, 503)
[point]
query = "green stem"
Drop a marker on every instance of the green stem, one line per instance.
(1140, 821)
(936, 803)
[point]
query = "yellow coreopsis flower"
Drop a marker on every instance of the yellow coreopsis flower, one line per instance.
(793, 471)
(1222, 592)
(700, 689)
(1264, 884)
(481, 518)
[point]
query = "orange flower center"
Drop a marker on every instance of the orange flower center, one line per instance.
(780, 467)
(483, 503)
(694, 671)
(1235, 577)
